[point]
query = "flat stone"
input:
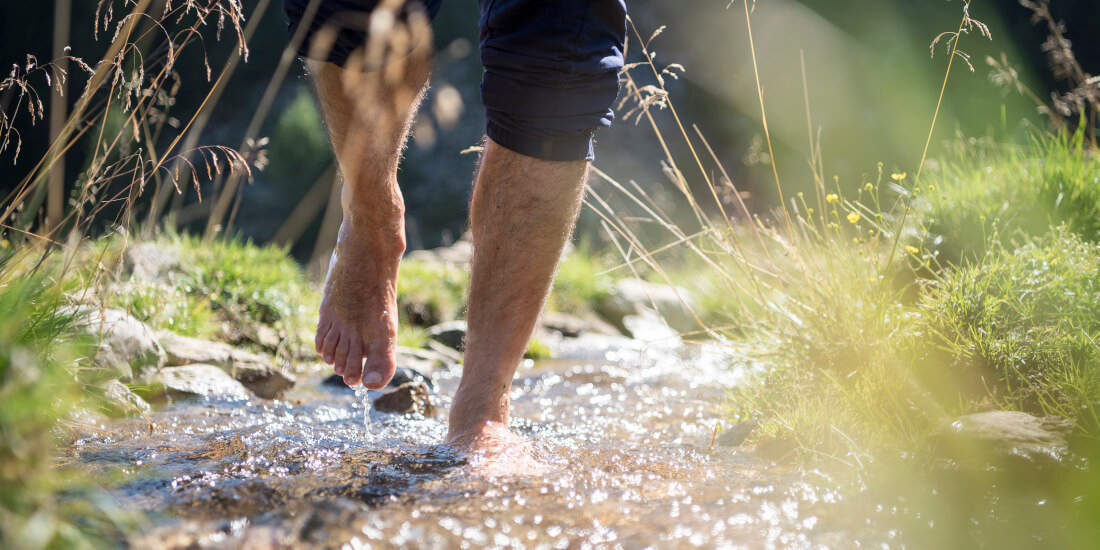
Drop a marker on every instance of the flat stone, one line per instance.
(150, 262)
(975, 439)
(196, 381)
(412, 398)
(125, 345)
(122, 401)
(451, 334)
(257, 372)
(635, 296)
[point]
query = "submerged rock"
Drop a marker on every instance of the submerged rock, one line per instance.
(981, 438)
(634, 297)
(196, 381)
(412, 397)
(451, 334)
(125, 345)
(258, 373)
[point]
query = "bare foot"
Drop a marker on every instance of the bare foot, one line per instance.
(492, 450)
(359, 310)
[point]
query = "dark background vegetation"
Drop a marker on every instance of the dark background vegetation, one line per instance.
(872, 91)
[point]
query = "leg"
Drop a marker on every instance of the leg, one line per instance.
(550, 79)
(522, 213)
(368, 116)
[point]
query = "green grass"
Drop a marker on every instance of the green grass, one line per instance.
(579, 283)
(858, 367)
(224, 289)
(1028, 320)
(429, 293)
(1002, 195)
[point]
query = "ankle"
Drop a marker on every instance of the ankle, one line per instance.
(381, 239)
(474, 410)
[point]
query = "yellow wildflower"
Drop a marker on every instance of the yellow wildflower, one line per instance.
(853, 217)
(912, 249)
(831, 198)
(898, 176)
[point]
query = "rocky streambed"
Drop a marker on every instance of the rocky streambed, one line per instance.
(628, 427)
(220, 447)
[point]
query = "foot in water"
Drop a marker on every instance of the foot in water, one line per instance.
(491, 449)
(358, 317)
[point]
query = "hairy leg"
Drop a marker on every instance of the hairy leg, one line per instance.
(521, 215)
(368, 115)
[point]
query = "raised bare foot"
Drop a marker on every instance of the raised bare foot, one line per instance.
(359, 309)
(491, 449)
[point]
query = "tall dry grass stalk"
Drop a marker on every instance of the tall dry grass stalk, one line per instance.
(134, 82)
(819, 287)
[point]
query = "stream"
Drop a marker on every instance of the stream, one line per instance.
(626, 426)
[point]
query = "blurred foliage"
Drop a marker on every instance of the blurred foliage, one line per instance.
(37, 390)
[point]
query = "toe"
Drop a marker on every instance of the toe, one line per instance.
(341, 356)
(354, 360)
(323, 326)
(354, 370)
(328, 349)
(379, 368)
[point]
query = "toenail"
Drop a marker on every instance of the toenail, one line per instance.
(328, 358)
(339, 369)
(372, 378)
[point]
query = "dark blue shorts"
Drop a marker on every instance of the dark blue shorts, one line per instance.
(551, 66)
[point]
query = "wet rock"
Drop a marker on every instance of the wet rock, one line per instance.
(121, 401)
(634, 296)
(738, 433)
(451, 334)
(150, 262)
(125, 345)
(404, 375)
(572, 326)
(412, 397)
(258, 373)
(981, 438)
(195, 381)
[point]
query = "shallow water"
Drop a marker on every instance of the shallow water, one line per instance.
(626, 427)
